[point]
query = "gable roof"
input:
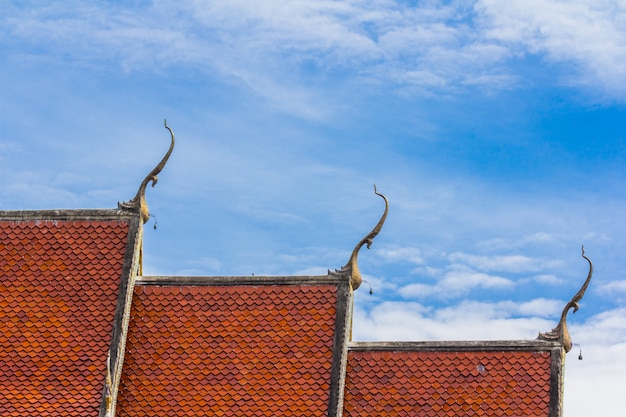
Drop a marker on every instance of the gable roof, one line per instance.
(259, 346)
(505, 378)
(61, 273)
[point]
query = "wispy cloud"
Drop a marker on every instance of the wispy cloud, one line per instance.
(502, 263)
(434, 46)
(406, 254)
(455, 283)
(588, 37)
(541, 238)
(615, 288)
(547, 279)
(468, 320)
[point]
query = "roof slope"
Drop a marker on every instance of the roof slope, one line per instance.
(506, 378)
(231, 349)
(227, 346)
(59, 280)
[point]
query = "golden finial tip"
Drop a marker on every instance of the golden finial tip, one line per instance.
(352, 267)
(138, 203)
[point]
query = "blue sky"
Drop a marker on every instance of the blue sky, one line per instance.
(496, 130)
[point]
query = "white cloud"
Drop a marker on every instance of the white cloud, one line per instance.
(463, 278)
(433, 46)
(428, 271)
(497, 244)
(587, 35)
(457, 282)
(417, 290)
(406, 254)
(292, 26)
(540, 307)
(605, 328)
(613, 287)
(468, 320)
(593, 386)
(270, 216)
(503, 263)
(547, 279)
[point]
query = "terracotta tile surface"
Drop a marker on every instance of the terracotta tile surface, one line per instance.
(229, 351)
(435, 384)
(58, 291)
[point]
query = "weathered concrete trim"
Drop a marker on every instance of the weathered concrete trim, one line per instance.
(343, 322)
(557, 381)
(242, 280)
(462, 345)
(65, 215)
(122, 310)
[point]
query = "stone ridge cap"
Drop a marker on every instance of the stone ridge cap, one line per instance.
(66, 215)
(241, 280)
(456, 345)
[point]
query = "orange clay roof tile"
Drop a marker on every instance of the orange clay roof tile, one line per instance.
(59, 283)
(447, 383)
(229, 350)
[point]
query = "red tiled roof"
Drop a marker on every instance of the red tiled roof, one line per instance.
(230, 350)
(448, 383)
(227, 346)
(59, 282)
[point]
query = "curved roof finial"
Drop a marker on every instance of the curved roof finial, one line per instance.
(352, 267)
(560, 332)
(138, 202)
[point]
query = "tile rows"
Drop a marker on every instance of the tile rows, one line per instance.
(229, 350)
(58, 286)
(447, 383)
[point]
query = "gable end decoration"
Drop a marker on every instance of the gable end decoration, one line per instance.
(351, 267)
(138, 202)
(560, 332)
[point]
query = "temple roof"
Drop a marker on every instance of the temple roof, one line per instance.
(452, 379)
(85, 333)
(61, 274)
(232, 347)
